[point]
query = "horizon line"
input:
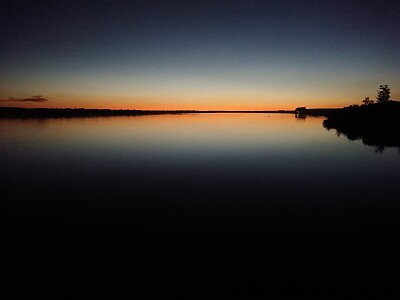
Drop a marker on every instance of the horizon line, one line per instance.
(160, 110)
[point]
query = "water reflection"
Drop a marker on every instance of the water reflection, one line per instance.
(379, 139)
(216, 206)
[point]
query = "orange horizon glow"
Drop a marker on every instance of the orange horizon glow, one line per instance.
(175, 106)
(236, 57)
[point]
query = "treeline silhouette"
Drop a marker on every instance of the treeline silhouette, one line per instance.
(376, 124)
(303, 112)
(44, 113)
(15, 112)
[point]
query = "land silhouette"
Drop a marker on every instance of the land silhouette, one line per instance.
(377, 124)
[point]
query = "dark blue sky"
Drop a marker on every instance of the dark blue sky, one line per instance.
(198, 54)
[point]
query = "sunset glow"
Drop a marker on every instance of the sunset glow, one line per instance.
(236, 56)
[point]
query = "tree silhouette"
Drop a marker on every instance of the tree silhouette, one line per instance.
(368, 101)
(383, 94)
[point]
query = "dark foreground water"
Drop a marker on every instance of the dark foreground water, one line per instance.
(222, 206)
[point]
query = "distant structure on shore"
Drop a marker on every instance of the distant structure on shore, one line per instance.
(300, 110)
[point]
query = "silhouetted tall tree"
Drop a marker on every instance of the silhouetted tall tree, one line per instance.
(383, 94)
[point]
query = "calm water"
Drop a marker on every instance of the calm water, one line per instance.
(250, 206)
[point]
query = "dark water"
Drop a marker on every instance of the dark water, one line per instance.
(222, 206)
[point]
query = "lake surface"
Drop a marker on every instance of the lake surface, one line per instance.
(198, 206)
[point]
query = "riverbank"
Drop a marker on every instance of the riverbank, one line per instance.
(375, 124)
(373, 117)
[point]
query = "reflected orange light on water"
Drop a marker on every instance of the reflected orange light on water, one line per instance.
(163, 127)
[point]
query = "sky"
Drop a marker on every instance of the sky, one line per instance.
(255, 55)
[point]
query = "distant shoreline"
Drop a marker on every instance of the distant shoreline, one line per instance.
(48, 113)
(26, 113)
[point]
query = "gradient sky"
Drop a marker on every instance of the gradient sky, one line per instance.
(197, 54)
